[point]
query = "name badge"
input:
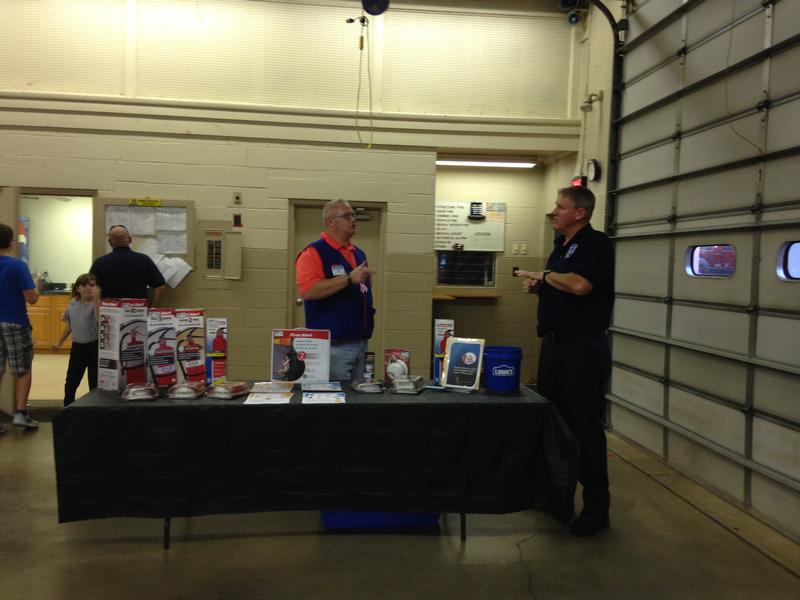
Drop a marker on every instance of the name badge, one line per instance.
(337, 270)
(571, 250)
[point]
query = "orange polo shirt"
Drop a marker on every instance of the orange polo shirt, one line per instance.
(308, 266)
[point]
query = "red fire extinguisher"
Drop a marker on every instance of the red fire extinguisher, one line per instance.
(190, 358)
(131, 356)
(162, 364)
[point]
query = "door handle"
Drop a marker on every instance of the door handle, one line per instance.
(298, 301)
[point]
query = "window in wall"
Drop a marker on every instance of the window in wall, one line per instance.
(465, 268)
(789, 261)
(717, 260)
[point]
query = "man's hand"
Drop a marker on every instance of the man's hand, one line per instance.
(532, 280)
(360, 274)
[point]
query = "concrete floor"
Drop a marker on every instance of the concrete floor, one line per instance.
(669, 539)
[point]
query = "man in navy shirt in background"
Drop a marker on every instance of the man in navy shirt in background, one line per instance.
(124, 273)
(17, 288)
(576, 295)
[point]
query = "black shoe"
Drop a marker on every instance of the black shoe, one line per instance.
(585, 526)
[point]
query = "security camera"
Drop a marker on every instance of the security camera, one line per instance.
(573, 17)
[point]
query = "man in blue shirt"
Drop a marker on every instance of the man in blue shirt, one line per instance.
(124, 273)
(16, 342)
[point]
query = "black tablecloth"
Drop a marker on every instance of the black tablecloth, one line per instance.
(438, 451)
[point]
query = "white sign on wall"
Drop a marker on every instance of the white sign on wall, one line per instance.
(478, 226)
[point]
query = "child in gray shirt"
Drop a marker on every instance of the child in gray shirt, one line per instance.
(81, 321)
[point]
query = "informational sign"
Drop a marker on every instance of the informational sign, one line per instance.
(470, 226)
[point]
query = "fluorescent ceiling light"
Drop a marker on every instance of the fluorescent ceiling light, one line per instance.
(486, 163)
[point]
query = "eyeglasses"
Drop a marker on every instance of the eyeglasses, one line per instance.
(349, 216)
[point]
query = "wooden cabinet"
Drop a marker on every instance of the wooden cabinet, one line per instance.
(39, 317)
(45, 317)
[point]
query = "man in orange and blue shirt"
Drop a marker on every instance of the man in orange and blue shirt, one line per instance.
(334, 280)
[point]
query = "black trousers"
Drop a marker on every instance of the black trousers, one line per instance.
(81, 358)
(573, 376)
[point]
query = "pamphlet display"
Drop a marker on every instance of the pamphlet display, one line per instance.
(442, 329)
(216, 350)
(190, 344)
(161, 358)
(301, 355)
(462, 363)
(121, 343)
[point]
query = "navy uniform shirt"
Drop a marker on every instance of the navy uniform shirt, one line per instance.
(126, 274)
(590, 255)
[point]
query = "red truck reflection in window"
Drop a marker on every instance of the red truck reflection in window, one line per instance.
(718, 260)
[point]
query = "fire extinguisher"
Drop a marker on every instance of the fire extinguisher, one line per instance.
(131, 356)
(190, 358)
(162, 364)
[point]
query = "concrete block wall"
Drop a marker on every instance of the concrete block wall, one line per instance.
(268, 176)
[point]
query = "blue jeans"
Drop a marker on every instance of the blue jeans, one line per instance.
(347, 360)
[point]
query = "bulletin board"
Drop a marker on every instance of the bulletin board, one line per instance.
(460, 223)
(162, 229)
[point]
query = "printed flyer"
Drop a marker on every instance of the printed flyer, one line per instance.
(301, 355)
(462, 363)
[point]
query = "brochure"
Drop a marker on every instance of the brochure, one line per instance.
(265, 387)
(462, 363)
(323, 397)
(321, 386)
(269, 398)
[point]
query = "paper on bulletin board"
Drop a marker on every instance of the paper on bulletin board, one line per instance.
(171, 219)
(118, 215)
(173, 270)
(171, 242)
(143, 220)
(453, 226)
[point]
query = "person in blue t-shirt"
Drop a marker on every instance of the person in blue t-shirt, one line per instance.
(16, 342)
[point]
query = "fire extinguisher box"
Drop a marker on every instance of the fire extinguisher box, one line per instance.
(121, 343)
(190, 339)
(161, 356)
(216, 350)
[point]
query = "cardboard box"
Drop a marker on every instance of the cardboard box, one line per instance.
(301, 355)
(396, 364)
(442, 329)
(161, 354)
(216, 350)
(122, 334)
(190, 340)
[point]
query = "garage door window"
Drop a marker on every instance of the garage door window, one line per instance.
(789, 261)
(712, 260)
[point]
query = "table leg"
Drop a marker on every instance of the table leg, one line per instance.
(463, 519)
(166, 533)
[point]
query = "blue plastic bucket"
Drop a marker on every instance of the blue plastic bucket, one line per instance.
(501, 365)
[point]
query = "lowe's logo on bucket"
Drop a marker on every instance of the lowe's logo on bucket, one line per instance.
(503, 371)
